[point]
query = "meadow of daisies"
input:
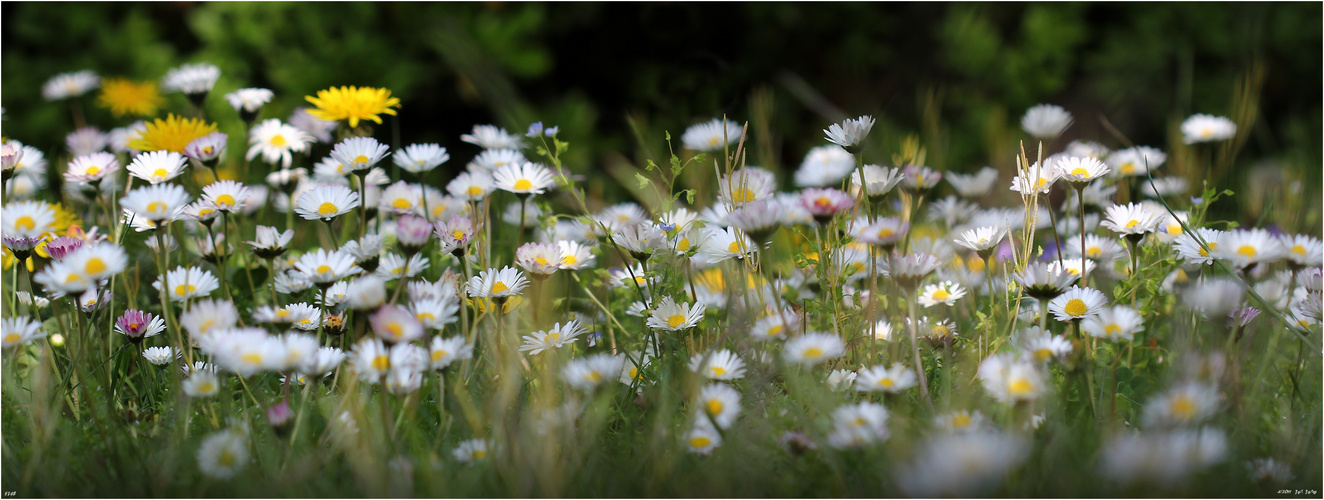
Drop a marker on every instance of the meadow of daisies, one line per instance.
(329, 314)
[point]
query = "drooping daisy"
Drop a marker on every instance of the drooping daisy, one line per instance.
(880, 378)
(502, 283)
(353, 104)
(323, 267)
(850, 133)
(1045, 121)
(712, 135)
(718, 365)
(417, 158)
(721, 403)
(19, 331)
(813, 348)
(1246, 247)
(276, 141)
(1131, 220)
(1077, 303)
(589, 372)
(156, 167)
(1207, 128)
(187, 283)
(556, 337)
(66, 85)
(824, 166)
(326, 202)
(523, 178)
(492, 137)
(670, 316)
(858, 424)
(973, 186)
(223, 454)
(946, 293)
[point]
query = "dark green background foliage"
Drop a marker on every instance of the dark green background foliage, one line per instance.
(959, 75)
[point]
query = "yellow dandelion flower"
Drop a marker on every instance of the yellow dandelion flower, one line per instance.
(125, 97)
(171, 134)
(353, 104)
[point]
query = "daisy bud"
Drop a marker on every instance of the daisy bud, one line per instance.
(412, 232)
(280, 417)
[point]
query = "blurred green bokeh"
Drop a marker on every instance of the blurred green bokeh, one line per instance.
(959, 75)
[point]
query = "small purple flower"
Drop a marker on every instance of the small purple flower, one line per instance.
(535, 130)
(1243, 316)
(138, 325)
(280, 417)
(207, 149)
(412, 232)
(61, 247)
(551, 131)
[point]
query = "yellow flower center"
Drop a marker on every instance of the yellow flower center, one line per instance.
(523, 185)
(714, 407)
(12, 338)
(634, 373)
(206, 388)
(93, 170)
(323, 269)
(327, 208)
(394, 329)
(183, 290)
(699, 442)
(1080, 172)
(961, 421)
(478, 454)
(676, 320)
(735, 247)
(381, 362)
(1127, 168)
(425, 317)
(1132, 223)
(1075, 307)
(360, 159)
(474, 191)
(402, 204)
(438, 354)
(1299, 250)
(941, 295)
(1112, 330)
(278, 141)
(775, 330)
(742, 195)
(95, 266)
(226, 458)
(717, 371)
(886, 233)
(540, 261)
(823, 203)
(225, 200)
(683, 245)
(156, 207)
(886, 383)
(1248, 251)
(252, 358)
(499, 287)
(1093, 252)
(552, 338)
(595, 377)
(458, 235)
(26, 223)
(569, 260)
(1020, 387)
(160, 172)
(813, 353)
(1183, 407)
(1043, 354)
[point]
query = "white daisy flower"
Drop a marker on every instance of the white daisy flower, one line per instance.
(1078, 170)
(370, 359)
(444, 351)
(857, 425)
(880, 378)
(775, 325)
(187, 283)
(160, 355)
(974, 186)
(539, 259)
(723, 244)
(472, 185)
(1073, 266)
(490, 160)
(1303, 250)
(721, 403)
(19, 331)
(506, 282)
(1131, 219)
(436, 313)
(1190, 403)
(394, 265)
(276, 142)
(226, 196)
(154, 204)
(98, 261)
(206, 317)
(983, 239)
(1011, 379)
(1114, 323)
(589, 372)
(824, 166)
(1164, 187)
(959, 421)
(1077, 303)
(719, 365)
(492, 137)
(946, 293)
(1036, 178)
(471, 451)
(746, 185)
(1214, 298)
(1045, 121)
(1246, 247)
(156, 167)
(841, 380)
(322, 267)
(223, 454)
(359, 153)
(1190, 249)
(1042, 345)
(326, 202)
(703, 438)
(1097, 248)
(66, 85)
(714, 135)
(27, 219)
(523, 178)
(269, 243)
(575, 255)
(1136, 161)
(555, 338)
(201, 384)
(813, 348)
(969, 464)
(191, 79)
(670, 316)
(249, 101)
(850, 134)
(417, 158)
(1207, 128)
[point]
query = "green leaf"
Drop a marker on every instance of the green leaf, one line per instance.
(643, 181)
